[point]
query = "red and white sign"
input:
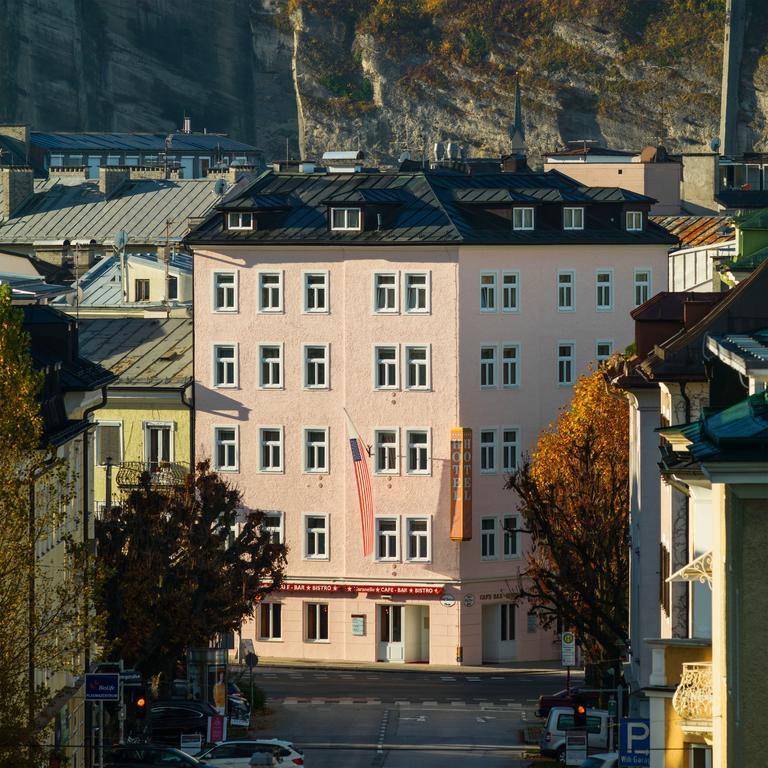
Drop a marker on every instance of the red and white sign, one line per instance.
(217, 729)
(378, 589)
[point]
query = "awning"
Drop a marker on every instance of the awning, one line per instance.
(699, 570)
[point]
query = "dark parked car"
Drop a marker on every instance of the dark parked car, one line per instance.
(142, 755)
(564, 699)
(237, 704)
(169, 719)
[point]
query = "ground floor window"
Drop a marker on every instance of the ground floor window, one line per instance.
(317, 621)
(271, 627)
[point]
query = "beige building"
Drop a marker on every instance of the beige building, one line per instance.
(415, 303)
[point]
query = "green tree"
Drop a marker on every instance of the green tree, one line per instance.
(180, 566)
(41, 625)
(573, 494)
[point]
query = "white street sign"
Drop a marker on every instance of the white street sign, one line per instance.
(569, 649)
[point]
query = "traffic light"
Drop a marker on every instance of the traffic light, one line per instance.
(137, 703)
(579, 712)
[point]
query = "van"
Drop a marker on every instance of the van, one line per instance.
(552, 739)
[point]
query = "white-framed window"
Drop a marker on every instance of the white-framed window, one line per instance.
(510, 365)
(510, 291)
(634, 221)
(345, 219)
(510, 448)
(225, 365)
(565, 355)
(272, 525)
(604, 290)
(225, 291)
(270, 621)
(271, 449)
(316, 618)
(271, 366)
(418, 452)
(507, 616)
(239, 220)
(488, 461)
(418, 537)
(387, 462)
(566, 300)
(488, 287)
(511, 536)
(316, 449)
(573, 218)
(226, 449)
(270, 291)
(522, 218)
(109, 442)
(385, 292)
(642, 286)
(316, 366)
(316, 537)
(417, 367)
(603, 349)
(417, 292)
(387, 538)
(316, 292)
(488, 366)
(488, 538)
(158, 442)
(385, 373)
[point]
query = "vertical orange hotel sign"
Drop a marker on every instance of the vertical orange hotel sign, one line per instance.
(461, 484)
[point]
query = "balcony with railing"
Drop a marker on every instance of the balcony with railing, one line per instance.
(160, 474)
(693, 698)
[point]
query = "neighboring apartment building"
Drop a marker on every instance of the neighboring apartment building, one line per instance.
(70, 223)
(416, 302)
(695, 534)
(192, 154)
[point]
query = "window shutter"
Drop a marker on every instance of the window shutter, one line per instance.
(109, 443)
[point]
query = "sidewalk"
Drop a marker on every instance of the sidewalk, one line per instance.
(546, 667)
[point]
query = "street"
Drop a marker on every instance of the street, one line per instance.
(393, 719)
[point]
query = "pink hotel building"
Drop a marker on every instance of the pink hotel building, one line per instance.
(416, 302)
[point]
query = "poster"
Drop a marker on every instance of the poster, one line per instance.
(217, 687)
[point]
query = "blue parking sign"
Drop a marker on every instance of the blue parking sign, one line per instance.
(635, 742)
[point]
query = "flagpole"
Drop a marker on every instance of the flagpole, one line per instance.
(356, 431)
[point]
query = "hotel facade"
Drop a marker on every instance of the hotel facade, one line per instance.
(415, 304)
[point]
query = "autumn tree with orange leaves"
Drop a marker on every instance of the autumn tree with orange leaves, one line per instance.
(573, 496)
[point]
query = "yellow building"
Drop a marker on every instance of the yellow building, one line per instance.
(145, 424)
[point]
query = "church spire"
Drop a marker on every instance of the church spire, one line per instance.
(517, 129)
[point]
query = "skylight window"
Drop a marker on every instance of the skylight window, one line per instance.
(345, 219)
(240, 220)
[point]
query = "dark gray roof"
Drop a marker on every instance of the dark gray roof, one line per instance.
(138, 142)
(75, 209)
(421, 207)
(30, 288)
(142, 352)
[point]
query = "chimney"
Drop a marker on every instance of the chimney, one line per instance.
(19, 133)
(17, 184)
(694, 310)
(111, 177)
(187, 124)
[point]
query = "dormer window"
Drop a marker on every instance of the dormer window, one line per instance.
(573, 218)
(240, 220)
(634, 221)
(344, 219)
(522, 218)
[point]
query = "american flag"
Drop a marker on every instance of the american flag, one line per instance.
(364, 493)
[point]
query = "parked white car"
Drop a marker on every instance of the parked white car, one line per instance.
(237, 753)
(552, 739)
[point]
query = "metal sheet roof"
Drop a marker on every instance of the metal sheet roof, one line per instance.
(142, 352)
(694, 231)
(435, 209)
(745, 352)
(140, 142)
(30, 288)
(75, 209)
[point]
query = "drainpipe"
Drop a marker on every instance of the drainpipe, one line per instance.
(687, 401)
(86, 525)
(191, 405)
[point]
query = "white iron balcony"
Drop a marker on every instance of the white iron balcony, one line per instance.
(693, 698)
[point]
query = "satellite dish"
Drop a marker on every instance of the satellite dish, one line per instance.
(121, 240)
(714, 145)
(220, 187)
(404, 156)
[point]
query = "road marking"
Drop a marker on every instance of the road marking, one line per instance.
(484, 719)
(448, 679)
(473, 679)
(429, 703)
(419, 719)
(458, 703)
(497, 678)
(403, 703)
(382, 732)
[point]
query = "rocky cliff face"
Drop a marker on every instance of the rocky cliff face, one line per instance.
(384, 75)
